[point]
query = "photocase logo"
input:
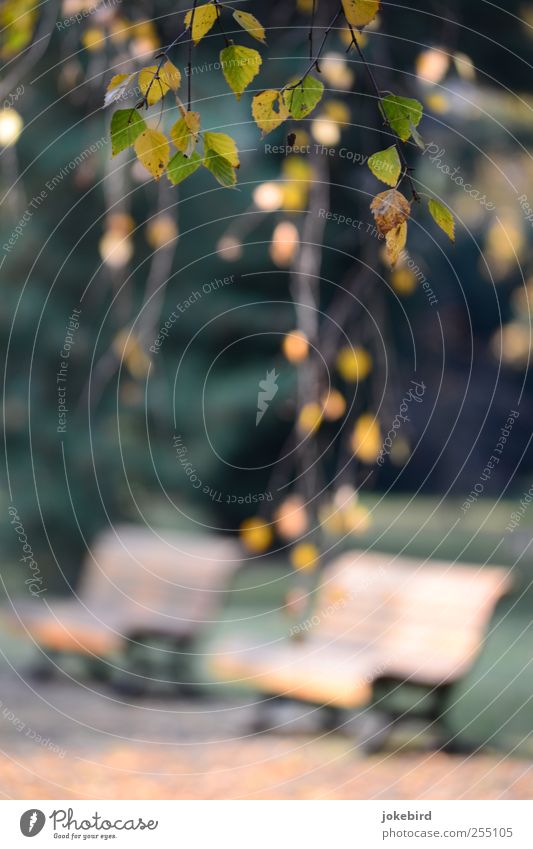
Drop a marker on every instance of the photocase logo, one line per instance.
(267, 391)
(32, 822)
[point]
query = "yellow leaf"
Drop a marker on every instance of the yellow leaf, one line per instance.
(443, 217)
(269, 110)
(256, 534)
(170, 75)
(403, 281)
(291, 518)
(304, 556)
(359, 13)
(224, 145)
(396, 240)
(239, 66)
(386, 165)
(153, 151)
(117, 88)
(390, 209)
(93, 39)
(160, 231)
(366, 438)
(295, 346)
(310, 417)
(353, 363)
(128, 349)
(204, 18)
(184, 133)
(152, 88)
(333, 405)
(251, 25)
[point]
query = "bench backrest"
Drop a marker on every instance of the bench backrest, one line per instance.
(138, 568)
(426, 621)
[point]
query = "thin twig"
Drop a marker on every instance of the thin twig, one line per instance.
(189, 63)
(311, 29)
(315, 60)
(219, 23)
(162, 56)
(397, 143)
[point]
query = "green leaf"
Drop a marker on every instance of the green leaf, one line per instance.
(239, 66)
(401, 113)
(386, 165)
(302, 99)
(180, 166)
(417, 138)
(221, 168)
(443, 217)
(126, 126)
(223, 145)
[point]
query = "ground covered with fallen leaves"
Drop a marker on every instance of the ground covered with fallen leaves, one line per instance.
(66, 740)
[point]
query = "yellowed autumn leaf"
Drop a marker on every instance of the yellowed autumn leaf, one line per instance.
(395, 243)
(354, 363)
(184, 133)
(269, 110)
(250, 23)
(256, 534)
(304, 556)
(366, 438)
(152, 88)
(170, 75)
(130, 351)
(153, 151)
(204, 18)
(310, 417)
(117, 88)
(359, 13)
(390, 209)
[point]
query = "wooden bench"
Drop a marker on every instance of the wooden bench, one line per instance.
(135, 583)
(376, 617)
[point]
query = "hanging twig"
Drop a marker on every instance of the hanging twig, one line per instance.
(397, 143)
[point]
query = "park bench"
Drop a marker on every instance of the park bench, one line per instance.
(135, 584)
(377, 618)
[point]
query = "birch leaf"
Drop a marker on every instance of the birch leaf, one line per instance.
(443, 217)
(250, 23)
(153, 151)
(239, 66)
(204, 18)
(269, 110)
(386, 165)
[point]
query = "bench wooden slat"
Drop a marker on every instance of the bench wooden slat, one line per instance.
(377, 615)
(134, 582)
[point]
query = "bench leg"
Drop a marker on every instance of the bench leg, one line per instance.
(46, 667)
(371, 730)
(265, 715)
(330, 718)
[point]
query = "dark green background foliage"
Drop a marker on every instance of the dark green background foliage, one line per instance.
(58, 256)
